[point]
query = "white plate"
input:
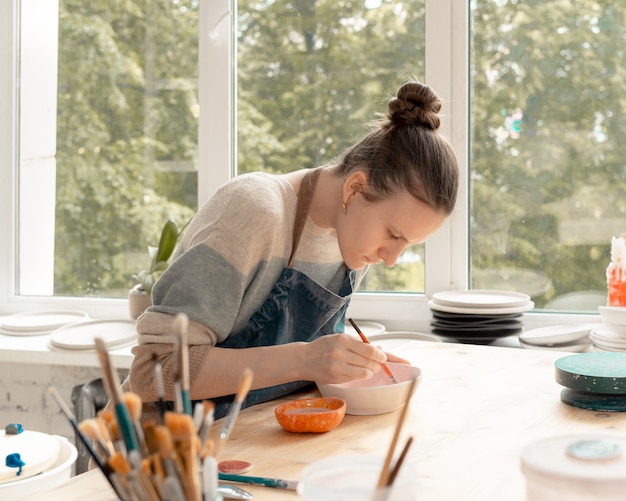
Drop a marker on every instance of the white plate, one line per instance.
(618, 329)
(114, 333)
(368, 328)
(481, 298)
(576, 347)
(601, 346)
(608, 344)
(35, 323)
(478, 311)
(556, 334)
(607, 337)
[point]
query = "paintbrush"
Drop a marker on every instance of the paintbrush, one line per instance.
(207, 420)
(134, 406)
(94, 431)
(384, 474)
(112, 385)
(276, 483)
(181, 348)
(186, 443)
(172, 482)
(233, 411)
(85, 441)
(396, 467)
(159, 386)
(365, 340)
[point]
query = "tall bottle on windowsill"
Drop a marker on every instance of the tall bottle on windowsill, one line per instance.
(616, 273)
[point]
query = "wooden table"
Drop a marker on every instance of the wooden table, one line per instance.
(475, 410)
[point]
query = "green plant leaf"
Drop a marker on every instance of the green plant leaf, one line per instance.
(167, 243)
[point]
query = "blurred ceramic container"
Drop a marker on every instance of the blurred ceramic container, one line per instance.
(375, 395)
(576, 468)
(354, 477)
(55, 475)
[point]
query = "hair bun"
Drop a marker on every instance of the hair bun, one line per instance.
(415, 104)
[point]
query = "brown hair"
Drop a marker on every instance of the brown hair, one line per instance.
(404, 151)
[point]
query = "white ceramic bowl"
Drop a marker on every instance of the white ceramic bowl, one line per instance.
(58, 473)
(376, 395)
(613, 314)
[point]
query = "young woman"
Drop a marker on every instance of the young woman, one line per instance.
(266, 268)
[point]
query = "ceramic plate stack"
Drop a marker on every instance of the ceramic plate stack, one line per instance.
(611, 335)
(478, 316)
(37, 323)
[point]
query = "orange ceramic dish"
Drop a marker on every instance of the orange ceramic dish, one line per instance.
(311, 415)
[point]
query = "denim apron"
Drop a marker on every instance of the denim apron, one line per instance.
(297, 309)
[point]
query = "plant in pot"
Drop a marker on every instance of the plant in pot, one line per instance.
(140, 296)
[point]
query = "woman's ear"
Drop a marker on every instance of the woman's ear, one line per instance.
(355, 183)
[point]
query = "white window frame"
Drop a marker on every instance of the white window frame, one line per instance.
(446, 71)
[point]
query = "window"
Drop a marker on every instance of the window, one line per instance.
(111, 102)
(547, 149)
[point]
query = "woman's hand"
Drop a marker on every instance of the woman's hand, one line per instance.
(338, 358)
(395, 358)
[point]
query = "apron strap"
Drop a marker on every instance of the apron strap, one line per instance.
(305, 196)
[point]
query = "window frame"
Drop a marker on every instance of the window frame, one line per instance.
(447, 69)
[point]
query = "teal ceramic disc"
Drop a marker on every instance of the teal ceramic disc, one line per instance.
(599, 372)
(594, 401)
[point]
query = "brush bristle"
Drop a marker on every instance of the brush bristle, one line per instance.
(119, 464)
(90, 428)
(134, 404)
(244, 385)
(164, 440)
(180, 425)
(209, 406)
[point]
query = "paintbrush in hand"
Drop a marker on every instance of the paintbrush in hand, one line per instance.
(365, 340)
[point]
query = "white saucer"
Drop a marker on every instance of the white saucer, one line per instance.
(481, 298)
(555, 334)
(114, 332)
(36, 323)
(529, 305)
(607, 338)
(575, 347)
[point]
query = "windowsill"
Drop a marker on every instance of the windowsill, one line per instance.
(35, 350)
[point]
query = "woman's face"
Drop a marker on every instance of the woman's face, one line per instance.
(374, 232)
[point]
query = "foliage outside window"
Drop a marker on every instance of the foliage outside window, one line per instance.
(546, 183)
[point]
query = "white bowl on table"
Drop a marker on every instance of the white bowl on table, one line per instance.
(375, 395)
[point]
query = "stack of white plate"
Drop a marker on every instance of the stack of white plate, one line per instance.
(611, 335)
(478, 316)
(116, 333)
(37, 323)
(575, 338)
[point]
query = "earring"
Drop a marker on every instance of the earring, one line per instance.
(344, 205)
